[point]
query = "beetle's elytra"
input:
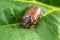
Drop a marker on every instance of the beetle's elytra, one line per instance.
(31, 16)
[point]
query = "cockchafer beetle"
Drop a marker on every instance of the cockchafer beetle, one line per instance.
(31, 16)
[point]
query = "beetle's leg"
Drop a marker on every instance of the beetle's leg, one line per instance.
(17, 16)
(35, 21)
(20, 17)
(33, 24)
(33, 28)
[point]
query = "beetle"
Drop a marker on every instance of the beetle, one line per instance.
(31, 16)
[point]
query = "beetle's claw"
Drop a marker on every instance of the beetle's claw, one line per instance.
(33, 28)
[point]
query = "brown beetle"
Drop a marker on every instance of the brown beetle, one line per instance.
(31, 16)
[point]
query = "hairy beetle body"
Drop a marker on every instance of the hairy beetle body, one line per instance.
(31, 15)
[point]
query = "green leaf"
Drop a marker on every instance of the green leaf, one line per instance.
(45, 29)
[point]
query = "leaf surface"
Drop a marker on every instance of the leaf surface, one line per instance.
(46, 27)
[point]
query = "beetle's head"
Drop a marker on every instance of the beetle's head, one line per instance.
(26, 22)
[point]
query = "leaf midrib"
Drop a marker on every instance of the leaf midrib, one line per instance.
(18, 23)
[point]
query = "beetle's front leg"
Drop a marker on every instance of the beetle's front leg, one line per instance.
(19, 17)
(15, 15)
(35, 21)
(33, 24)
(33, 28)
